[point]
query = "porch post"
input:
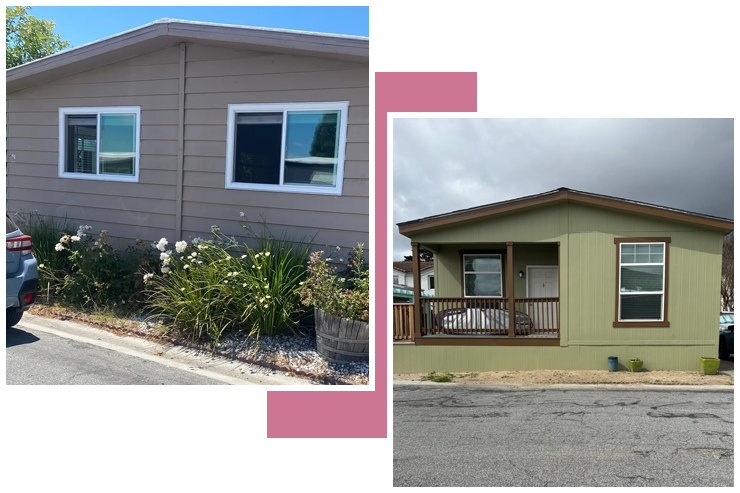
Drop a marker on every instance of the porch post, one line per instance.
(417, 290)
(510, 286)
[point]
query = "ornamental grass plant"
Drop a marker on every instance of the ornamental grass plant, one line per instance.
(206, 288)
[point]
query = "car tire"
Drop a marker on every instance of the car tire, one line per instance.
(723, 349)
(12, 317)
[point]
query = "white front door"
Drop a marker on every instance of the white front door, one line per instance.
(542, 282)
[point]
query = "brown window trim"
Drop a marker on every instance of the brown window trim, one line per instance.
(501, 252)
(663, 323)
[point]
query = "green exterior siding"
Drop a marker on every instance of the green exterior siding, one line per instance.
(587, 289)
(408, 358)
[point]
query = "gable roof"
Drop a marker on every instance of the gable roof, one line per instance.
(408, 266)
(565, 194)
(168, 32)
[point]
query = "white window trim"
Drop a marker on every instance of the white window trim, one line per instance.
(342, 106)
(639, 293)
(63, 112)
(501, 273)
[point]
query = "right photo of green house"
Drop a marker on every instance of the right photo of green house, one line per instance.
(509, 270)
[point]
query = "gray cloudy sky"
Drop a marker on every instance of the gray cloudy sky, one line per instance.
(441, 165)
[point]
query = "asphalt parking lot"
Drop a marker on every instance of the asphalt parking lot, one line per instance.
(479, 435)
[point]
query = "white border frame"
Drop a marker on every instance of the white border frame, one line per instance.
(633, 293)
(501, 274)
(526, 272)
(341, 106)
(63, 112)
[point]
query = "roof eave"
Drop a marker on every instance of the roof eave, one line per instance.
(408, 227)
(277, 39)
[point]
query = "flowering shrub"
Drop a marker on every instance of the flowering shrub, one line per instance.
(94, 274)
(347, 297)
(208, 287)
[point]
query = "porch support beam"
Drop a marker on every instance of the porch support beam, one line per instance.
(510, 287)
(417, 291)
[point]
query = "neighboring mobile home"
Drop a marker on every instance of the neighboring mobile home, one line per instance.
(170, 128)
(403, 275)
(562, 280)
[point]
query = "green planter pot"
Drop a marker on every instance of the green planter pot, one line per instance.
(636, 365)
(709, 366)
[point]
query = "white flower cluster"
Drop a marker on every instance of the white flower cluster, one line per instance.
(81, 231)
(180, 246)
(161, 245)
(147, 277)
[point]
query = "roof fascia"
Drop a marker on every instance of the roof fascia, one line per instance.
(449, 219)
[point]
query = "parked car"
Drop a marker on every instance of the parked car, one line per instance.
(21, 273)
(726, 334)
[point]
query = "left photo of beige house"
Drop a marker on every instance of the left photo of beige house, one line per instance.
(204, 185)
(163, 130)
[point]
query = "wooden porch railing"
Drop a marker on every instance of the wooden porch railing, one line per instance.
(479, 316)
(403, 321)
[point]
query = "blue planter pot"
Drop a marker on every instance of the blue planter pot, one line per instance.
(613, 363)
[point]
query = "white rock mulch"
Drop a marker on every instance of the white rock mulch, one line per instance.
(296, 352)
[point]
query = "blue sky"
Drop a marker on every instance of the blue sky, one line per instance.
(80, 25)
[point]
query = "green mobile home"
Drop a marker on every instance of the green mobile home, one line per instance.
(562, 280)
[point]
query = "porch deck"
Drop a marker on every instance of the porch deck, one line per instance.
(477, 320)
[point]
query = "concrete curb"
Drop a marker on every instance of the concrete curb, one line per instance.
(183, 358)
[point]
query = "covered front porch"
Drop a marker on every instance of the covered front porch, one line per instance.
(487, 294)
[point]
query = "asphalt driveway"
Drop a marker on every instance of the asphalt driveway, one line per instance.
(479, 435)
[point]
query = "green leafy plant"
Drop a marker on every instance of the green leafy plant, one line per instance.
(206, 288)
(434, 377)
(95, 275)
(347, 297)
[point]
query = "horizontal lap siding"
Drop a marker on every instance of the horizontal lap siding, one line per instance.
(217, 77)
(128, 211)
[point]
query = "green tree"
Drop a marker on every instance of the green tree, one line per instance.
(324, 137)
(28, 38)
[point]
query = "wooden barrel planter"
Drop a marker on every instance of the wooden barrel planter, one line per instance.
(341, 340)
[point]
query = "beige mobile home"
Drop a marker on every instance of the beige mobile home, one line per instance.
(562, 280)
(175, 126)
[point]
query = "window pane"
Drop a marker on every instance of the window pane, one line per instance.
(431, 282)
(482, 284)
(640, 306)
(117, 143)
(312, 148)
(642, 278)
(257, 150)
(628, 254)
(482, 263)
(656, 253)
(82, 143)
(642, 254)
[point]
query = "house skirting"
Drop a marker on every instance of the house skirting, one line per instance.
(409, 358)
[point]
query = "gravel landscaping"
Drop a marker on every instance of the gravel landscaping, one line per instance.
(293, 354)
